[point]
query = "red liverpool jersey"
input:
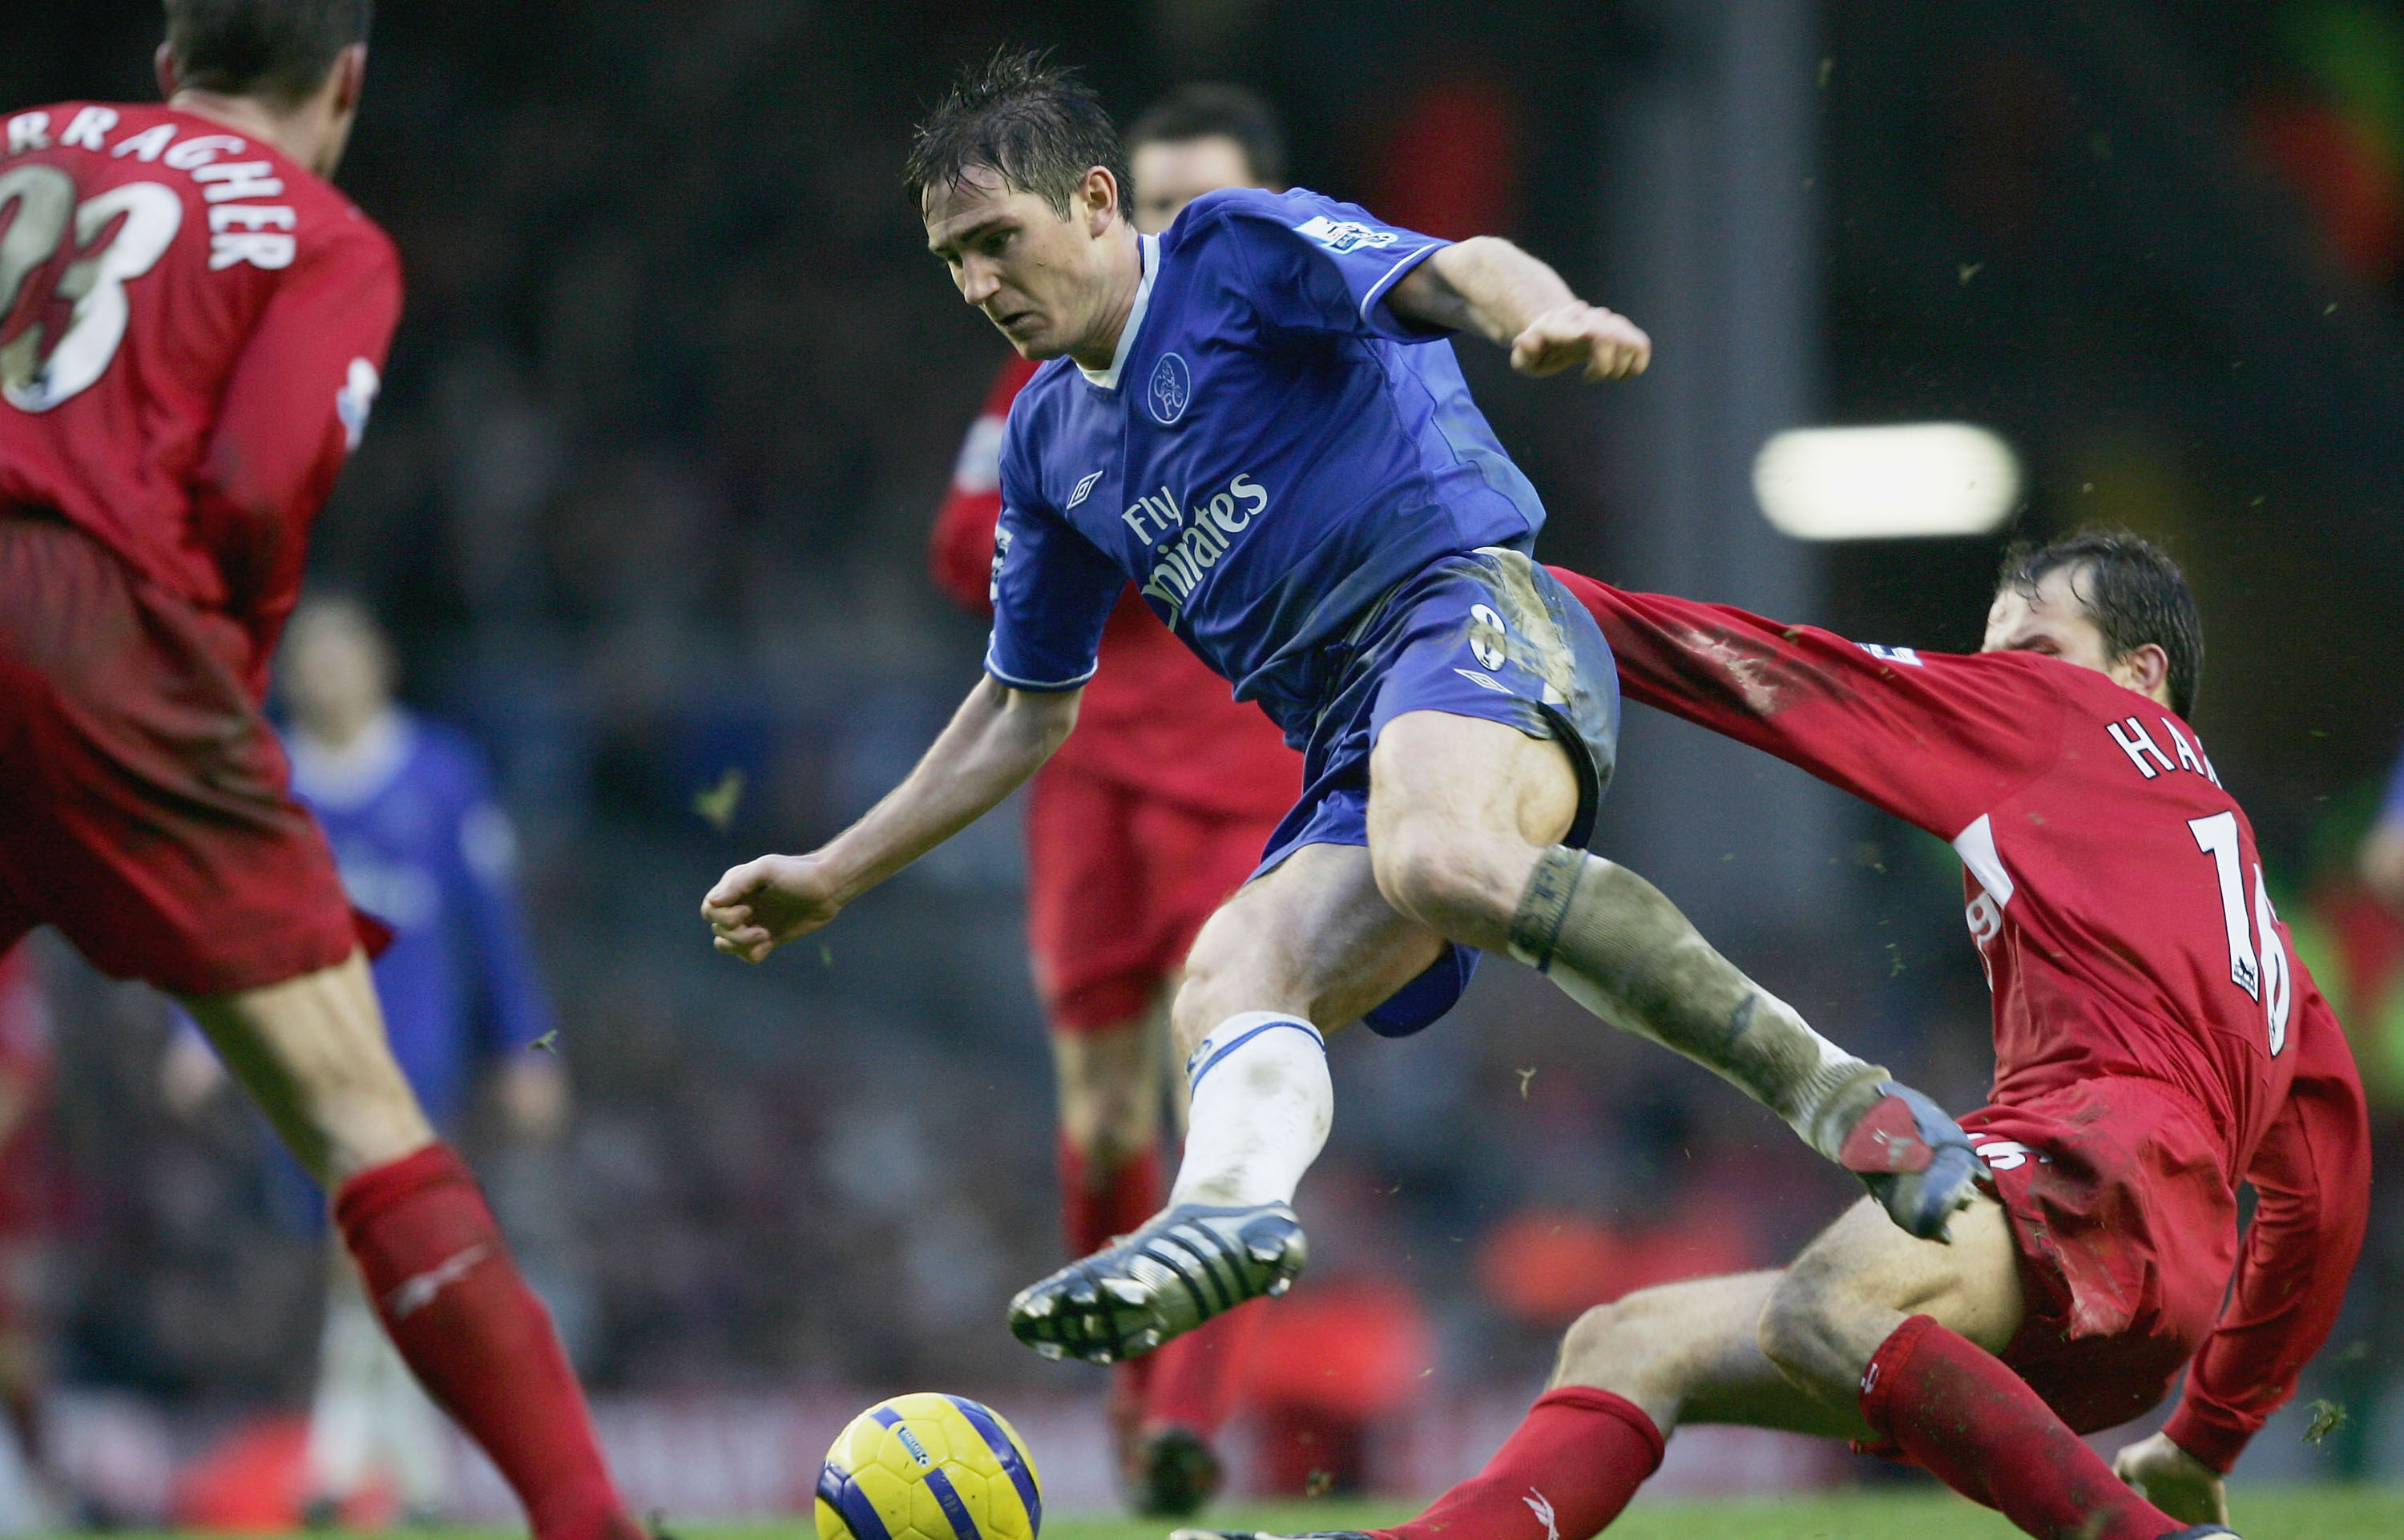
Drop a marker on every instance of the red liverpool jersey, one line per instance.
(192, 329)
(1152, 715)
(2116, 901)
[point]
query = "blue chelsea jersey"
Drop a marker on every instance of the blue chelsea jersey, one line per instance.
(1270, 450)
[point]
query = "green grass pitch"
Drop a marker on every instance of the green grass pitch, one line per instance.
(2295, 1513)
(2298, 1513)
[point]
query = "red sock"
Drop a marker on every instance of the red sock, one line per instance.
(477, 1339)
(1978, 1427)
(1568, 1469)
(1099, 1202)
(1196, 1377)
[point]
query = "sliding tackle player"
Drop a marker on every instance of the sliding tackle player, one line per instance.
(2155, 1044)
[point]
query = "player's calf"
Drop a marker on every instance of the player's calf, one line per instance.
(1614, 944)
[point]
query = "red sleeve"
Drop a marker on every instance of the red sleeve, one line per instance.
(2311, 1186)
(292, 411)
(960, 556)
(1934, 738)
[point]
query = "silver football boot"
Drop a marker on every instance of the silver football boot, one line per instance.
(1183, 1266)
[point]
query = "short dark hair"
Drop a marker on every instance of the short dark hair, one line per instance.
(2133, 593)
(280, 50)
(1208, 109)
(1029, 121)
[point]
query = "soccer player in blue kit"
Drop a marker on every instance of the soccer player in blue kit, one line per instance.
(422, 842)
(1254, 416)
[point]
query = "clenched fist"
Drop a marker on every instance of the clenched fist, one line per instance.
(2174, 1480)
(1606, 343)
(762, 904)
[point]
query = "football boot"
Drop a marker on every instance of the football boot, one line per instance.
(1181, 1268)
(1914, 1159)
(2201, 1532)
(1173, 1472)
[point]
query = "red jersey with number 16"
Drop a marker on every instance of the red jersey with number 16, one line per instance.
(192, 329)
(2118, 902)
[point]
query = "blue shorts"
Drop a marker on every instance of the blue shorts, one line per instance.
(1488, 634)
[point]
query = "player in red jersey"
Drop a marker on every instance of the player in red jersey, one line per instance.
(2155, 1044)
(1156, 808)
(192, 323)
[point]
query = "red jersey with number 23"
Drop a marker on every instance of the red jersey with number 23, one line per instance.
(2118, 902)
(193, 329)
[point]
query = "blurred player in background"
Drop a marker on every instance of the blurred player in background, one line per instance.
(2382, 852)
(1155, 810)
(2155, 1045)
(192, 325)
(1236, 417)
(29, 1217)
(423, 845)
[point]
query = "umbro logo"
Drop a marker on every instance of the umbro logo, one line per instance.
(1082, 488)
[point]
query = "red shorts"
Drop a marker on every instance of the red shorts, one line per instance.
(1119, 880)
(144, 808)
(2128, 1235)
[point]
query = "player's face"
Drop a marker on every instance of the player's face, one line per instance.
(333, 674)
(1170, 174)
(2055, 622)
(1040, 278)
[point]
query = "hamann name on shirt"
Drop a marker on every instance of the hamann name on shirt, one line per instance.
(1269, 451)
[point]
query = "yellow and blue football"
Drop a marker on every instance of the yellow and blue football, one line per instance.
(928, 1467)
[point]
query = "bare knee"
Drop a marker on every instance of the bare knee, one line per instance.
(1606, 1347)
(1801, 1330)
(312, 1052)
(1451, 880)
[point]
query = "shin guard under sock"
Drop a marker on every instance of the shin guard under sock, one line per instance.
(1616, 945)
(1958, 1412)
(1568, 1470)
(477, 1339)
(1261, 1108)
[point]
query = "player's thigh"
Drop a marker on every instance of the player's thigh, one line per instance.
(1863, 1277)
(1313, 938)
(1460, 807)
(312, 1051)
(1689, 1352)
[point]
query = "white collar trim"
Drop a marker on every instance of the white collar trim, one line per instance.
(1108, 379)
(359, 772)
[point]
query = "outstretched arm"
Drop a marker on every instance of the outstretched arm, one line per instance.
(998, 738)
(1488, 285)
(2312, 1176)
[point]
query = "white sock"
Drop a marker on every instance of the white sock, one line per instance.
(1262, 1108)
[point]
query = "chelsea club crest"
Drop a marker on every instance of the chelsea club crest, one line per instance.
(1170, 389)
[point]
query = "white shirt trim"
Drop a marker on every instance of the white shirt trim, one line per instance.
(1976, 846)
(1039, 686)
(1395, 274)
(1108, 379)
(358, 773)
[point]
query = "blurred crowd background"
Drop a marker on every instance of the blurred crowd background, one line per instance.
(645, 505)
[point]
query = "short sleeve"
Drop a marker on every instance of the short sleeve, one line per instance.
(1053, 589)
(1311, 264)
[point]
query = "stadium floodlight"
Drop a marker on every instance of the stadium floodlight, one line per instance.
(1886, 482)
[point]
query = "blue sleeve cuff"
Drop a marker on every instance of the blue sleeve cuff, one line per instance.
(1383, 321)
(1040, 687)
